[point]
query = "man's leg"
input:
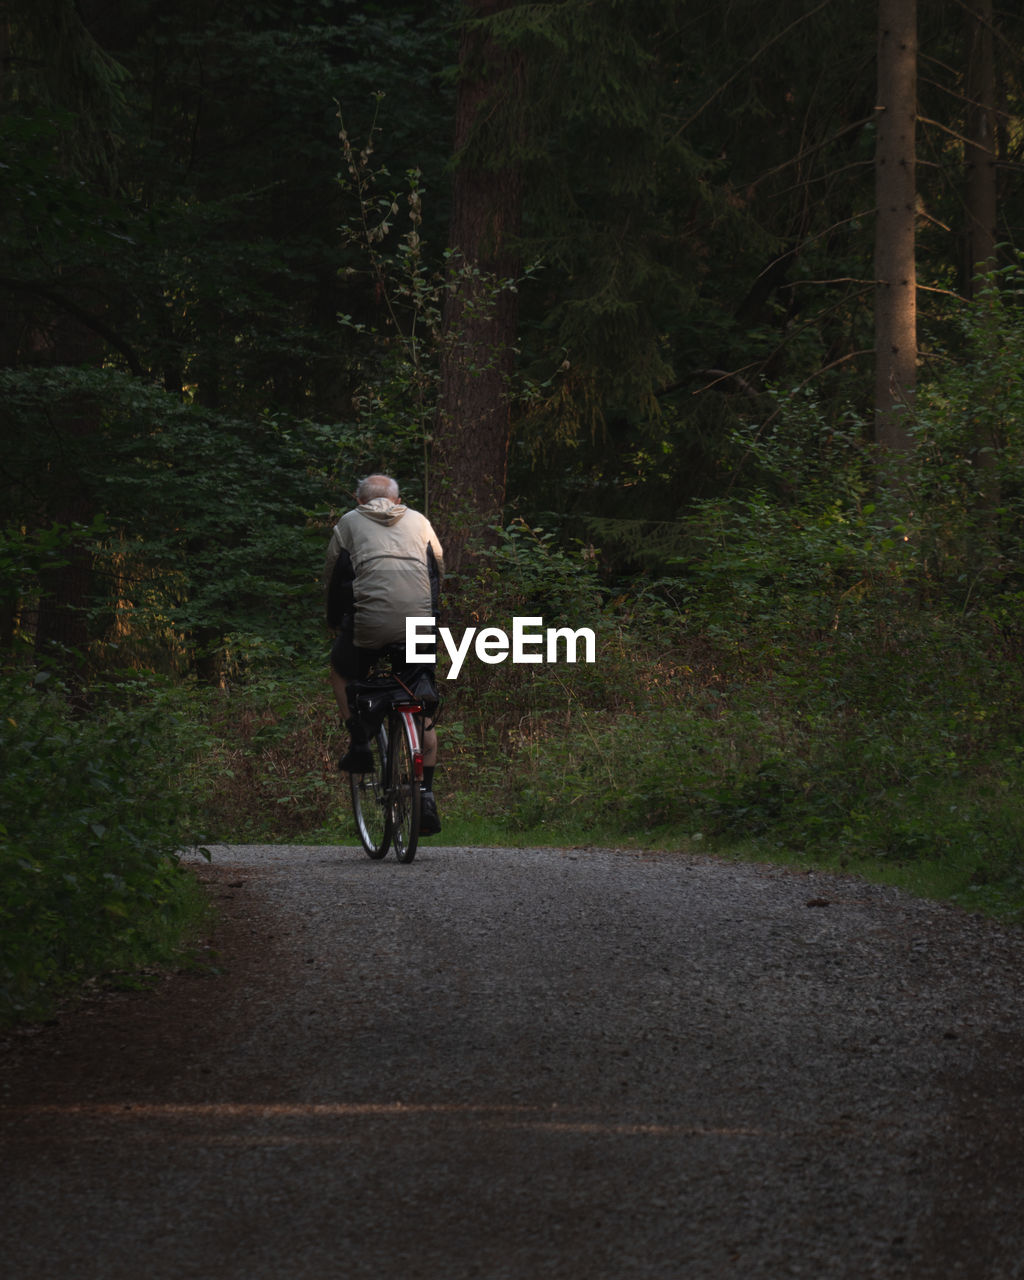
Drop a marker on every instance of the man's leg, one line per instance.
(430, 821)
(339, 684)
(343, 665)
(345, 658)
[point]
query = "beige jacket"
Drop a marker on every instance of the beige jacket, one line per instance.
(396, 568)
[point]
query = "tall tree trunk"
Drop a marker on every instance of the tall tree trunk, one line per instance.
(980, 151)
(470, 447)
(896, 198)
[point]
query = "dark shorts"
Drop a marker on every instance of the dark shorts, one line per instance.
(352, 663)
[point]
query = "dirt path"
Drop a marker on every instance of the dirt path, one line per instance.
(532, 1063)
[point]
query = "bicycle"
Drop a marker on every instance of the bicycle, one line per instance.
(386, 801)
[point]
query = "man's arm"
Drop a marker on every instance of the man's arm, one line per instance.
(435, 558)
(340, 588)
(435, 570)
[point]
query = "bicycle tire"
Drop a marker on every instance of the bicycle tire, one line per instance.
(369, 801)
(404, 798)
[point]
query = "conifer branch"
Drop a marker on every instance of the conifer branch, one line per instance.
(818, 146)
(748, 64)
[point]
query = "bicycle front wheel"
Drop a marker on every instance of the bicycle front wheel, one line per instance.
(403, 791)
(370, 800)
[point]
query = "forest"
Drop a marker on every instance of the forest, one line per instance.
(697, 324)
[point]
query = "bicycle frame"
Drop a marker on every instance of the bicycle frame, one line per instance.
(404, 776)
(410, 715)
(387, 799)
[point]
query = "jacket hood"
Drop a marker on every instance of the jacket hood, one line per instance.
(382, 510)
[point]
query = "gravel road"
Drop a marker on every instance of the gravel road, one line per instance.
(496, 1063)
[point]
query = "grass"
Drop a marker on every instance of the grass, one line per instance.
(894, 756)
(961, 874)
(462, 827)
(903, 770)
(958, 881)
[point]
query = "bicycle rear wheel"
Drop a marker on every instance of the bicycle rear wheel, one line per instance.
(369, 800)
(403, 790)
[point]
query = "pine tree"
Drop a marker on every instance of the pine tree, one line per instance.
(895, 220)
(470, 448)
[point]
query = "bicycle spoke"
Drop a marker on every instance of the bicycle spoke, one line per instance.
(369, 801)
(404, 790)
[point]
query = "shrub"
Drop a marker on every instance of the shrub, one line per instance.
(268, 767)
(92, 817)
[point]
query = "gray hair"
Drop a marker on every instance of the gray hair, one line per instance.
(377, 486)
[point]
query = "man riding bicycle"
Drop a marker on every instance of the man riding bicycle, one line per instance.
(384, 564)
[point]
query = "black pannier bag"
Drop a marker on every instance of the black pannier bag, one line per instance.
(370, 699)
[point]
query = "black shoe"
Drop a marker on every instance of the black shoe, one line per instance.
(430, 823)
(357, 759)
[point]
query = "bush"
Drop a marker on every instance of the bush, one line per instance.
(825, 667)
(268, 768)
(92, 819)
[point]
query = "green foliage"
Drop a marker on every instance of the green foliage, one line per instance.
(525, 568)
(969, 429)
(827, 669)
(267, 770)
(397, 401)
(208, 532)
(805, 659)
(406, 345)
(522, 571)
(173, 216)
(92, 817)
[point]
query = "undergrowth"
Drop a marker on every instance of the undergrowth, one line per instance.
(825, 670)
(92, 818)
(887, 745)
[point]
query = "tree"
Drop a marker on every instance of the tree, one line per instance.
(696, 200)
(570, 114)
(981, 201)
(895, 223)
(62, 87)
(169, 213)
(469, 459)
